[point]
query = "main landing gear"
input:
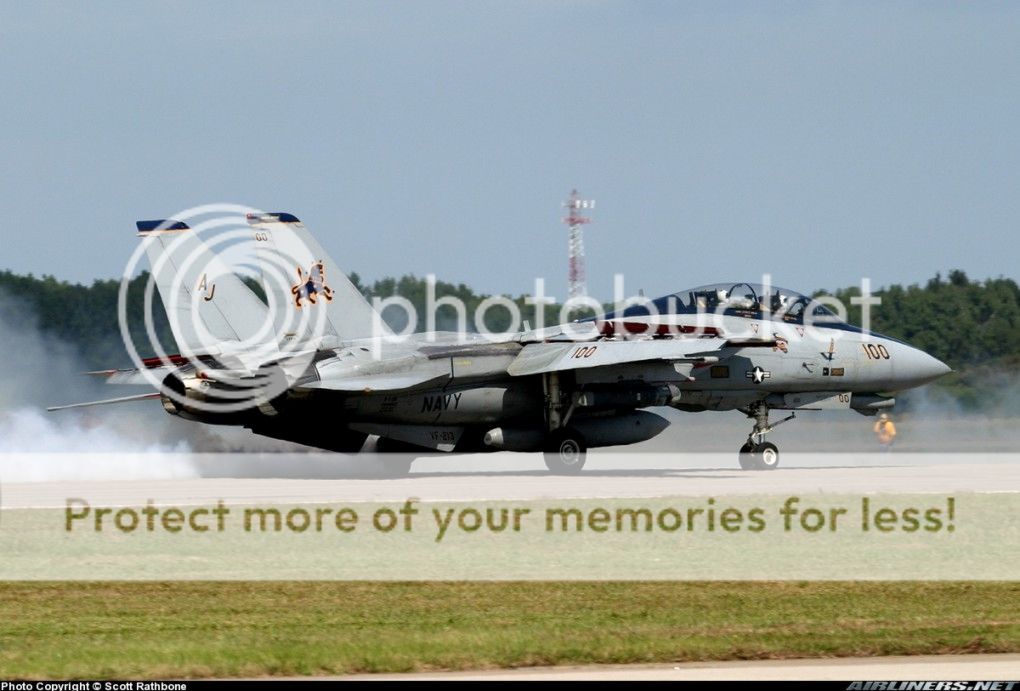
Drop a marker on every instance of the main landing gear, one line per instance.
(756, 453)
(565, 450)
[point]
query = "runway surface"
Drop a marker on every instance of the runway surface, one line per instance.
(516, 477)
(920, 668)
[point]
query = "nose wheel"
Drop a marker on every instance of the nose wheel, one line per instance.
(756, 453)
(764, 456)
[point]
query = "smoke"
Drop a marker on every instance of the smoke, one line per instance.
(39, 370)
(978, 411)
(123, 441)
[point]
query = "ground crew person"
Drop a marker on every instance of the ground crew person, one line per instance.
(885, 430)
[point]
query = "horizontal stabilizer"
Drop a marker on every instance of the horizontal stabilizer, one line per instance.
(133, 377)
(155, 368)
(108, 401)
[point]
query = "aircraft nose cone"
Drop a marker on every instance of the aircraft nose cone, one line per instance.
(920, 368)
(941, 369)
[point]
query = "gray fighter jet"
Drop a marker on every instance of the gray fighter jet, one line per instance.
(317, 366)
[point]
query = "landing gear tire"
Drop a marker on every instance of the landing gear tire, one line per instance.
(746, 457)
(565, 452)
(768, 456)
(764, 456)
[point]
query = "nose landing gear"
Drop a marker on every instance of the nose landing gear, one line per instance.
(764, 456)
(756, 453)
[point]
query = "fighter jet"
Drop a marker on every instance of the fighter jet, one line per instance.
(314, 364)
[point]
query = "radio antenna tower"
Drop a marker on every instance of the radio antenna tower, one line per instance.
(576, 285)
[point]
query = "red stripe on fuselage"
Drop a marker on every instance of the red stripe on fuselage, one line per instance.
(609, 328)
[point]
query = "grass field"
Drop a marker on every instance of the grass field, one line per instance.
(254, 629)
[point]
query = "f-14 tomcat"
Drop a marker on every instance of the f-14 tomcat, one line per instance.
(336, 375)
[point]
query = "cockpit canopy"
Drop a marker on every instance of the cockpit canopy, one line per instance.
(750, 300)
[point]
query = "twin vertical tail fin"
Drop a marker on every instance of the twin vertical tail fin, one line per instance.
(311, 302)
(305, 288)
(208, 305)
(216, 318)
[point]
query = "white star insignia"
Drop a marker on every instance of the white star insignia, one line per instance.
(758, 375)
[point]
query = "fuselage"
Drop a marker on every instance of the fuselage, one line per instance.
(691, 355)
(786, 365)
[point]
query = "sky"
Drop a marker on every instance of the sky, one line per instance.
(821, 142)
